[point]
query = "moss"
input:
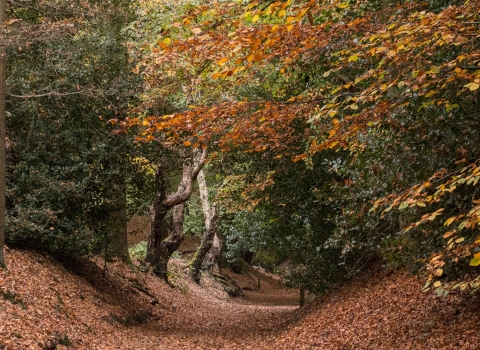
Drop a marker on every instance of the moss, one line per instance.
(13, 298)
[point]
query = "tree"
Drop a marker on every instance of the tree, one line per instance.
(161, 245)
(392, 88)
(210, 242)
(69, 73)
(3, 58)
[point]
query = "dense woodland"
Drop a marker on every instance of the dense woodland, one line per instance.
(315, 139)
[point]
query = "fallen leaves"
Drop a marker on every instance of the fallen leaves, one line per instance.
(100, 311)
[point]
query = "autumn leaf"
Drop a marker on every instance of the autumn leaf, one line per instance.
(472, 86)
(196, 30)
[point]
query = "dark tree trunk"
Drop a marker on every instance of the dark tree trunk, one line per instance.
(3, 54)
(173, 241)
(161, 245)
(117, 230)
(157, 229)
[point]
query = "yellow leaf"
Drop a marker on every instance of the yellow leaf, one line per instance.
(282, 13)
(275, 28)
(289, 27)
(222, 61)
(448, 222)
(353, 58)
(332, 133)
(343, 5)
(196, 30)
(437, 284)
(475, 262)
(421, 204)
(459, 240)
(167, 41)
(289, 20)
(472, 86)
(435, 69)
(353, 106)
(438, 272)
(401, 84)
(391, 26)
(255, 18)
(332, 113)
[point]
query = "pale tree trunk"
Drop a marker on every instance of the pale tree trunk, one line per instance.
(117, 228)
(161, 245)
(3, 54)
(210, 215)
(214, 253)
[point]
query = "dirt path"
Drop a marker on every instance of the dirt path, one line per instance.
(44, 305)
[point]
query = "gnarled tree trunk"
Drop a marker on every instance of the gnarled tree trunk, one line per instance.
(214, 253)
(210, 215)
(161, 245)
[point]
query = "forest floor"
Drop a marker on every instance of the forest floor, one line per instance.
(45, 304)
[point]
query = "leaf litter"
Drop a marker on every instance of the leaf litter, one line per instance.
(47, 305)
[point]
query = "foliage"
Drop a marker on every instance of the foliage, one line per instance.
(66, 76)
(138, 251)
(391, 87)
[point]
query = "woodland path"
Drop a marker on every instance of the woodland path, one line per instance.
(44, 301)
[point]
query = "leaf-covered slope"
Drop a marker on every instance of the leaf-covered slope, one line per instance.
(43, 303)
(384, 312)
(46, 303)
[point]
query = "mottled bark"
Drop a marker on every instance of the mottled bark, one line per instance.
(214, 253)
(205, 246)
(173, 241)
(3, 54)
(210, 215)
(161, 245)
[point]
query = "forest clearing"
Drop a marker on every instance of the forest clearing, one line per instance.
(239, 174)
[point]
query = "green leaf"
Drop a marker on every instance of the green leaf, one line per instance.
(475, 262)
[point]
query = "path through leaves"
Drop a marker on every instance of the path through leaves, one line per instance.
(46, 305)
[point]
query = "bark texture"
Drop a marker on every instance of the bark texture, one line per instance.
(161, 245)
(214, 253)
(210, 215)
(3, 54)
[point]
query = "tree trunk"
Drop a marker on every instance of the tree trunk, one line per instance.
(172, 242)
(157, 229)
(117, 230)
(210, 215)
(161, 245)
(3, 54)
(214, 253)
